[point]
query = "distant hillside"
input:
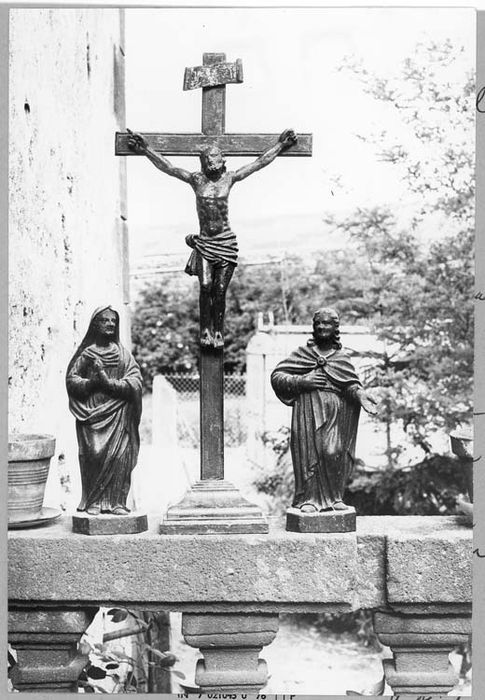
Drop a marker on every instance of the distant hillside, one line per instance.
(256, 237)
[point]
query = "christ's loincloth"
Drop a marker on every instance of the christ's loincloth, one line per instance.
(220, 249)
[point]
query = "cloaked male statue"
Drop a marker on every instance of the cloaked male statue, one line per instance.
(104, 385)
(320, 383)
(215, 250)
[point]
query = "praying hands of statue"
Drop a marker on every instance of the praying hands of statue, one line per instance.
(98, 379)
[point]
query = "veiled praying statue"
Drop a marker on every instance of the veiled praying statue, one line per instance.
(104, 385)
(320, 383)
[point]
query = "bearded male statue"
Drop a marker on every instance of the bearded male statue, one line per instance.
(215, 250)
(320, 383)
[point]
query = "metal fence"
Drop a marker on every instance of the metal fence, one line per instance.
(188, 384)
(188, 410)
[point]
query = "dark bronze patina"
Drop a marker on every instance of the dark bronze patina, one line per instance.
(321, 384)
(213, 504)
(214, 255)
(104, 385)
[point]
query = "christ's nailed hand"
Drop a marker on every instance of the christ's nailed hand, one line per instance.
(288, 138)
(136, 142)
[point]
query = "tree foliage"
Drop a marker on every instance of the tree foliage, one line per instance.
(415, 289)
(428, 487)
(164, 329)
(433, 98)
(166, 316)
(421, 290)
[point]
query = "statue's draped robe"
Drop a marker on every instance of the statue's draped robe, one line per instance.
(324, 423)
(106, 425)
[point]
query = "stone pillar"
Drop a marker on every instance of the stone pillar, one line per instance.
(46, 643)
(164, 414)
(230, 645)
(420, 645)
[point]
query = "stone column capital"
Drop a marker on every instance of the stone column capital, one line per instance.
(230, 644)
(420, 645)
(46, 645)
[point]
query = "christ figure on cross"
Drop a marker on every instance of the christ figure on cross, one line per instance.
(214, 254)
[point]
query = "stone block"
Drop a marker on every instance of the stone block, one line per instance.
(280, 570)
(227, 630)
(274, 572)
(371, 567)
(326, 521)
(107, 524)
(429, 567)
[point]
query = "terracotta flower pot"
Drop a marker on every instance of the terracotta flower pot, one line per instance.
(29, 459)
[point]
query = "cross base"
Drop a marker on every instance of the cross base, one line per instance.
(212, 507)
(326, 521)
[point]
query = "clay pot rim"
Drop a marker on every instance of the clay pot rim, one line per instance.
(24, 447)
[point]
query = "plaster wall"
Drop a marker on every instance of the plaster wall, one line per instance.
(67, 230)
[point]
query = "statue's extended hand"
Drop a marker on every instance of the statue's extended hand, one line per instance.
(288, 138)
(369, 404)
(136, 142)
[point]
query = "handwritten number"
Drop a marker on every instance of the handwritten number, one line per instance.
(479, 555)
(480, 100)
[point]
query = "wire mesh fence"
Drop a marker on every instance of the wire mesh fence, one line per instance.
(188, 384)
(188, 409)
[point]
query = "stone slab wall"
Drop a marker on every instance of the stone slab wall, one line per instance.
(67, 230)
(404, 560)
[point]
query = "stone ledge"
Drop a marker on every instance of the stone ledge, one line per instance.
(274, 572)
(413, 560)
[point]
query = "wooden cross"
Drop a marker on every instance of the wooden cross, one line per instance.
(212, 77)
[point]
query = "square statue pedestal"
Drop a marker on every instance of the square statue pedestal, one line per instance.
(325, 521)
(213, 507)
(108, 524)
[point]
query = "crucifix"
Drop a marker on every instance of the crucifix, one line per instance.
(213, 260)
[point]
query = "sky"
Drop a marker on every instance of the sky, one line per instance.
(291, 79)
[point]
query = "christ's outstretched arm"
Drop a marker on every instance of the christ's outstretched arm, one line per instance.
(137, 143)
(286, 139)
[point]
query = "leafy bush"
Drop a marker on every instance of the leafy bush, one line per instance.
(429, 487)
(127, 674)
(166, 316)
